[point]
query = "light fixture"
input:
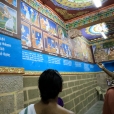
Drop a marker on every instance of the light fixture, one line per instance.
(97, 3)
(103, 34)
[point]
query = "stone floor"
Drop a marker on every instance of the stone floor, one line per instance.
(96, 109)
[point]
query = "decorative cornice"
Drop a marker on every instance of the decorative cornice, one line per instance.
(91, 17)
(11, 70)
(32, 73)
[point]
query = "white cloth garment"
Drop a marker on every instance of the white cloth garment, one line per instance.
(31, 110)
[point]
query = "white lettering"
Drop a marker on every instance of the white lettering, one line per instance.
(6, 54)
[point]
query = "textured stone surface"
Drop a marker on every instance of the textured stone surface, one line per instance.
(20, 101)
(28, 82)
(7, 104)
(10, 83)
(101, 80)
(95, 109)
(25, 95)
(33, 93)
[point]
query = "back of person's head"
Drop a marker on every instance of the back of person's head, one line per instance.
(50, 84)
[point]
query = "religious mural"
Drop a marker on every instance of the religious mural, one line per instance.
(38, 33)
(29, 14)
(8, 18)
(37, 39)
(81, 50)
(64, 49)
(45, 11)
(51, 44)
(25, 34)
(48, 25)
(62, 33)
(103, 52)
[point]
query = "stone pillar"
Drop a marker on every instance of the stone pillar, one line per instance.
(11, 90)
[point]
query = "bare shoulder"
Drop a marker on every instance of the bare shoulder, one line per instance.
(65, 111)
(69, 112)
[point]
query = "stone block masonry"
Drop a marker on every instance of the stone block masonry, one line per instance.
(11, 94)
(78, 93)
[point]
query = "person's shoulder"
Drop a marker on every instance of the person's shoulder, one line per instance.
(65, 111)
(110, 90)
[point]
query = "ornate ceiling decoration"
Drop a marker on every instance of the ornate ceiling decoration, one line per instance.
(67, 15)
(70, 10)
(75, 4)
(93, 33)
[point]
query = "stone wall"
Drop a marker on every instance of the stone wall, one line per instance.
(11, 94)
(101, 80)
(78, 94)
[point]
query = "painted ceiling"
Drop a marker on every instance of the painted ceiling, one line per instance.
(69, 9)
(94, 32)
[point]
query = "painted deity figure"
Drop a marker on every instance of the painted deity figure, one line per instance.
(10, 23)
(47, 25)
(27, 15)
(6, 12)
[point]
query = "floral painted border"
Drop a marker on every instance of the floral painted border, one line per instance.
(98, 15)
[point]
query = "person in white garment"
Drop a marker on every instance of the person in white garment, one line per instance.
(50, 85)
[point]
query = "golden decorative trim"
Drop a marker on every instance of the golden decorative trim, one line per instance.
(32, 73)
(8, 70)
(35, 73)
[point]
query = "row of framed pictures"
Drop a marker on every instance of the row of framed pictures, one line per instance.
(31, 16)
(10, 19)
(37, 40)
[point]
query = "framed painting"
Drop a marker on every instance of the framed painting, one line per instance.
(48, 25)
(50, 43)
(37, 39)
(25, 34)
(29, 14)
(8, 18)
(64, 49)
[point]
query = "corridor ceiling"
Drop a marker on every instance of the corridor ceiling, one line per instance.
(71, 9)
